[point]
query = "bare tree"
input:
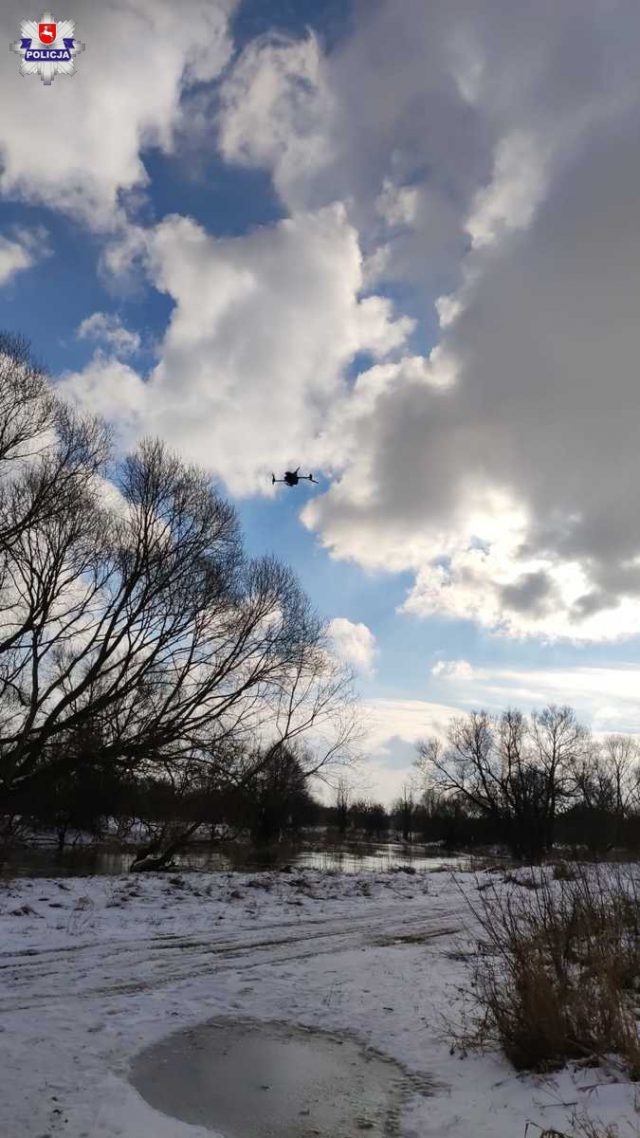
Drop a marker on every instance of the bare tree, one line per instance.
(48, 453)
(131, 616)
(606, 784)
(513, 771)
(621, 755)
(275, 798)
(468, 764)
(343, 805)
(403, 812)
(370, 818)
(310, 713)
(560, 743)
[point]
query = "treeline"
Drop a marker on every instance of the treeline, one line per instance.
(148, 666)
(273, 803)
(525, 783)
(529, 782)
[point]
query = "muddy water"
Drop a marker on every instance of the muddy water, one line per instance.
(245, 1079)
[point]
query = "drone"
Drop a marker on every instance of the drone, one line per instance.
(292, 478)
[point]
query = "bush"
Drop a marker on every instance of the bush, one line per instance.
(583, 1126)
(563, 872)
(559, 970)
(587, 1129)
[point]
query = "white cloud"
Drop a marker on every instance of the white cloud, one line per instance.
(354, 643)
(604, 697)
(112, 389)
(276, 108)
(393, 728)
(452, 669)
(107, 328)
(406, 719)
(398, 205)
(516, 188)
(254, 355)
(359, 126)
(25, 248)
(77, 146)
(503, 476)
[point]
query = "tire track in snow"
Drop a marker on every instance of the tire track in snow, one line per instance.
(114, 967)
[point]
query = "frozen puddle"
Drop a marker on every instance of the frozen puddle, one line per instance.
(246, 1079)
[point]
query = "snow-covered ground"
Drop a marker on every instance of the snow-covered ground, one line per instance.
(93, 969)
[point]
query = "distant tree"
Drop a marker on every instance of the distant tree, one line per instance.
(276, 800)
(403, 813)
(342, 806)
(81, 793)
(606, 788)
(513, 772)
(621, 757)
(558, 743)
(370, 818)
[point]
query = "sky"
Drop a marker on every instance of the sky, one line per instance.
(394, 242)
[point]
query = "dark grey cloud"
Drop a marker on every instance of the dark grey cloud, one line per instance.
(541, 421)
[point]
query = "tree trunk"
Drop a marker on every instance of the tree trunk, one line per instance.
(155, 858)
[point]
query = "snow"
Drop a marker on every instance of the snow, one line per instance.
(96, 968)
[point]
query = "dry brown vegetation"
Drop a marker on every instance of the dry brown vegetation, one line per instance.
(558, 970)
(582, 1127)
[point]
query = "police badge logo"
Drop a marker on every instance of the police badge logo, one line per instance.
(48, 48)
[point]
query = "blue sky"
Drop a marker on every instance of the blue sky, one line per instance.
(375, 239)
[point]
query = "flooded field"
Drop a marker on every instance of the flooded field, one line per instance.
(348, 857)
(272, 1080)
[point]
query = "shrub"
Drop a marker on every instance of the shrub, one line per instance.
(559, 970)
(586, 1129)
(563, 872)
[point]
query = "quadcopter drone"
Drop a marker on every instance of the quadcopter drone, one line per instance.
(292, 478)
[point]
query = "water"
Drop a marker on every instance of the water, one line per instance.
(252, 1080)
(380, 857)
(85, 861)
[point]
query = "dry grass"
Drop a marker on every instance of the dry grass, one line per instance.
(590, 1129)
(560, 969)
(586, 1129)
(582, 1126)
(562, 871)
